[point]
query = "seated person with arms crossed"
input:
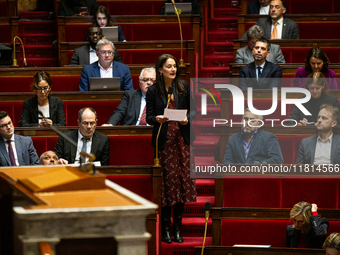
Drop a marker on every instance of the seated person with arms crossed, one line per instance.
(323, 148)
(260, 7)
(48, 158)
(245, 54)
(276, 26)
(86, 54)
(87, 139)
(252, 145)
(260, 74)
(132, 108)
(105, 67)
(51, 107)
(15, 150)
(317, 86)
(308, 229)
(332, 244)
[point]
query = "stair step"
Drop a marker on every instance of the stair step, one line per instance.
(35, 27)
(39, 51)
(205, 128)
(194, 226)
(205, 182)
(215, 72)
(196, 209)
(205, 161)
(37, 39)
(34, 15)
(218, 60)
(185, 248)
(226, 12)
(221, 36)
(219, 48)
(40, 62)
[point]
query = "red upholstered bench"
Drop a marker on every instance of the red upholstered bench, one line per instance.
(322, 30)
(298, 55)
(133, 7)
(141, 185)
(131, 150)
(104, 110)
(250, 231)
(309, 6)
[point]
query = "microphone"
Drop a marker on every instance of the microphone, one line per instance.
(170, 92)
(15, 63)
(181, 61)
(207, 209)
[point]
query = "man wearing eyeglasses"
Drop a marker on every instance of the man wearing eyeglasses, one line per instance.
(105, 67)
(15, 150)
(87, 139)
(132, 108)
(86, 54)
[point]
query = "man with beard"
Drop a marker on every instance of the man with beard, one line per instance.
(251, 145)
(260, 74)
(323, 148)
(276, 26)
(86, 54)
(48, 158)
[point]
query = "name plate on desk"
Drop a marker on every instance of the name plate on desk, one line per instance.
(63, 178)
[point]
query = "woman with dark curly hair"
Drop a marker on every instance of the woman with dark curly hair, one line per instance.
(175, 137)
(102, 18)
(316, 61)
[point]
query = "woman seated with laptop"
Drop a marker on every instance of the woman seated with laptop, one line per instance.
(102, 18)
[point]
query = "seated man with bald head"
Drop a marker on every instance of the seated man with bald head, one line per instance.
(48, 158)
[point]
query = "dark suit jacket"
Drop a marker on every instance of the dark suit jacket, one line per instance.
(26, 152)
(81, 56)
(155, 106)
(270, 78)
(100, 147)
(118, 70)
(307, 148)
(128, 110)
(264, 148)
(290, 28)
(29, 115)
(254, 7)
(315, 237)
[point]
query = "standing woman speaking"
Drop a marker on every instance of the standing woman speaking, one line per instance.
(173, 144)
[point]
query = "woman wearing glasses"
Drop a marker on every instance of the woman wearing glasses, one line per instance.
(308, 229)
(50, 107)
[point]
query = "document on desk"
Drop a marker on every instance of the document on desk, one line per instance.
(175, 115)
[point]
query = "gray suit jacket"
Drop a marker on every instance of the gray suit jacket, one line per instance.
(290, 28)
(245, 55)
(26, 152)
(81, 56)
(307, 150)
(128, 110)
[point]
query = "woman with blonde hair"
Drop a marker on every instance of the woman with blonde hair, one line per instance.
(332, 244)
(308, 229)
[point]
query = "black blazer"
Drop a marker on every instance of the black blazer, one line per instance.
(128, 110)
(155, 106)
(315, 237)
(81, 56)
(29, 115)
(254, 7)
(100, 147)
(247, 77)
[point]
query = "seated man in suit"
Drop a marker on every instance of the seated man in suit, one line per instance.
(260, 74)
(251, 145)
(86, 54)
(105, 67)
(323, 148)
(332, 244)
(276, 26)
(260, 7)
(87, 139)
(245, 55)
(48, 158)
(132, 108)
(15, 150)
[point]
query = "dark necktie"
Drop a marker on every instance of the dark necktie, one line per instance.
(84, 148)
(259, 73)
(11, 153)
(142, 121)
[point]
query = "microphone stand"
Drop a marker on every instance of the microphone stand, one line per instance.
(156, 160)
(181, 61)
(207, 208)
(15, 63)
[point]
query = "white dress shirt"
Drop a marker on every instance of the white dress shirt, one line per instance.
(278, 27)
(323, 150)
(80, 146)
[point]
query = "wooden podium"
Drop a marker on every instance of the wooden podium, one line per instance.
(73, 211)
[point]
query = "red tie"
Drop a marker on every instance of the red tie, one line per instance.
(11, 153)
(142, 121)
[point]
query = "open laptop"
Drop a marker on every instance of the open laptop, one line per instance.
(105, 84)
(110, 33)
(184, 7)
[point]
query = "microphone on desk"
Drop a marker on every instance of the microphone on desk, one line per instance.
(207, 209)
(181, 61)
(156, 160)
